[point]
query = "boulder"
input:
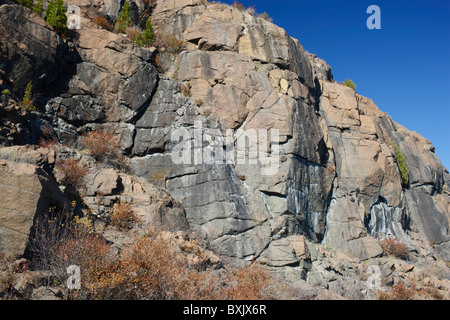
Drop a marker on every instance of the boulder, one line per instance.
(106, 182)
(27, 192)
(279, 253)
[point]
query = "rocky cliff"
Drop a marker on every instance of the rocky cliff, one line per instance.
(337, 189)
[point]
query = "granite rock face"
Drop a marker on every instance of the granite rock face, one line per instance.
(27, 194)
(29, 50)
(325, 174)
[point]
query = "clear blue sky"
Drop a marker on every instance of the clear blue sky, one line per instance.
(404, 67)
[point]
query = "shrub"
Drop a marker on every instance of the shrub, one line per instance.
(157, 271)
(431, 291)
(147, 36)
(251, 10)
(402, 165)
(349, 83)
(39, 8)
(103, 146)
(48, 144)
(171, 43)
(73, 172)
(25, 3)
(398, 292)
(132, 33)
(238, 5)
(27, 100)
(266, 17)
(148, 267)
(55, 16)
(248, 283)
(122, 215)
(124, 20)
(87, 250)
(393, 246)
(103, 23)
(5, 96)
(61, 239)
(7, 276)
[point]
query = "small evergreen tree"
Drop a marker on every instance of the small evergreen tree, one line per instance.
(27, 100)
(25, 3)
(124, 20)
(402, 164)
(5, 96)
(39, 8)
(55, 16)
(147, 36)
(349, 83)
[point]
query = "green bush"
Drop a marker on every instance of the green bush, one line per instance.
(25, 3)
(402, 165)
(4, 98)
(266, 17)
(27, 100)
(349, 83)
(147, 36)
(55, 16)
(124, 20)
(39, 8)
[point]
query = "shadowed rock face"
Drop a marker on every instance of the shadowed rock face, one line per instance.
(27, 193)
(337, 180)
(29, 49)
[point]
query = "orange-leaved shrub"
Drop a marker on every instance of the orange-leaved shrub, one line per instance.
(252, 282)
(103, 23)
(147, 267)
(393, 246)
(398, 292)
(72, 172)
(122, 215)
(61, 238)
(104, 146)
